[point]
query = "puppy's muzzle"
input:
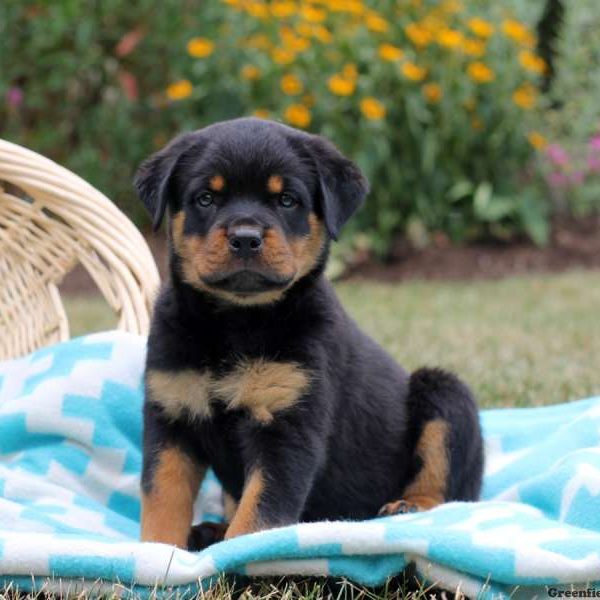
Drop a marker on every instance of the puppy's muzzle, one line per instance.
(245, 241)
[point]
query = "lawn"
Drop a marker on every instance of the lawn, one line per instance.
(518, 342)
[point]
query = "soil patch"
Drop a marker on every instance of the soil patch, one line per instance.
(574, 244)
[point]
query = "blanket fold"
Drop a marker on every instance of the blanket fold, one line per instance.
(70, 458)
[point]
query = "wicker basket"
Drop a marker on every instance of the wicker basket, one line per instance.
(51, 220)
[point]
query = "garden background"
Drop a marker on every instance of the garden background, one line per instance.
(480, 137)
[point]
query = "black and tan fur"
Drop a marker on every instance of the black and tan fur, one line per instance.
(254, 368)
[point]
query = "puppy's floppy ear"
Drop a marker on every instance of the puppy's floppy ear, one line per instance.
(343, 186)
(154, 174)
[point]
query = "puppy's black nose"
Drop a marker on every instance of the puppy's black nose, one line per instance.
(244, 240)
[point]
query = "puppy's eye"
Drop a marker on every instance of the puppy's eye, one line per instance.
(287, 200)
(204, 199)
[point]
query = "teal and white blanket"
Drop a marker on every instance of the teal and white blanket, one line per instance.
(70, 433)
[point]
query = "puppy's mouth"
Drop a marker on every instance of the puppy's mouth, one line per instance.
(246, 282)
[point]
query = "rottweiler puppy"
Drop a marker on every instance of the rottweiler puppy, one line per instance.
(254, 368)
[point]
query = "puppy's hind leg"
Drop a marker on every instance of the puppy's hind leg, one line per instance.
(445, 441)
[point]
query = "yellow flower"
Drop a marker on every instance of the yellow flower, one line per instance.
(480, 72)
(199, 47)
(372, 108)
(418, 35)
(450, 38)
(413, 72)
(291, 85)
(476, 123)
(298, 115)
(377, 23)
(389, 52)
(282, 9)
(525, 96)
(286, 33)
(322, 34)
(432, 92)
(518, 32)
(250, 72)
(480, 27)
(474, 47)
(350, 71)
(355, 7)
(537, 140)
(179, 90)
(259, 41)
(282, 56)
(433, 23)
(297, 44)
(341, 86)
(257, 9)
(305, 29)
(261, 113)
(313, 14)
(532, 62)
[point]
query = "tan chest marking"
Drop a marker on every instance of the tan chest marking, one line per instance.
(179, 392)
(262, 387)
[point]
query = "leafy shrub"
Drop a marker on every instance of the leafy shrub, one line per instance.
(432, 100)
(569, 157)
(82, 82)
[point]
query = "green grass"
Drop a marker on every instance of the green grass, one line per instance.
(517, 342)
(223, 589)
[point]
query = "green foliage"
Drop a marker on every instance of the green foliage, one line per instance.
(64, 58)
(434, 105)
(101, 87)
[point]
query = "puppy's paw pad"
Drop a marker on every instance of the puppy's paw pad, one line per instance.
(399, 507)
(205, 534)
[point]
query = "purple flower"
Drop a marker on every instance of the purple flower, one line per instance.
(593, 163)
(557, 155)
(14, 97)
(595, 142)
(558, 180)
(577, 177)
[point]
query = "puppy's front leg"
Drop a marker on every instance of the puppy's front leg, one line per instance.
(171, 478)
(278, 481)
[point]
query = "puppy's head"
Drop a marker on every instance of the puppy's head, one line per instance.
(253, 205)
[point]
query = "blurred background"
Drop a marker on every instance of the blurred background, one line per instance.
(477, 123)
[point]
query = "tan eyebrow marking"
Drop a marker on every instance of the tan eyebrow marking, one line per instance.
(275, 184)
(217, 183)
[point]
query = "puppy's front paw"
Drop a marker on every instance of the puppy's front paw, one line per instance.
(205, 534)
(408, 505)
(397, 508)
